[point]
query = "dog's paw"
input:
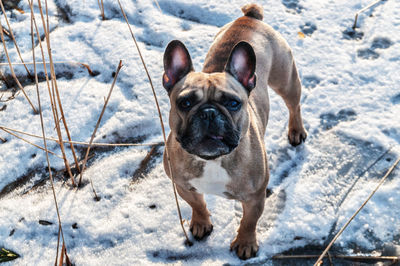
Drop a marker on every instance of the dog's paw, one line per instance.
(245, 248)
(200, 230)
(297, 136)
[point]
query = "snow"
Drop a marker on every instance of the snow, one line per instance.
(350, 106)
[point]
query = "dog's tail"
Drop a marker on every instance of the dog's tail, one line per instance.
(253, 10)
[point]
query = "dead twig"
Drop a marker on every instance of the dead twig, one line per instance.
(159, 8)
(97, 126)
(3, 78)
(188, 242)
(60, 232)
(6, 32)
(86, 143)
(27, 141)
(337, 256)
(12, 70)
(13, 38)
(101, 6)
(362, 10)
(55, 93)
(55, 63)
(355, 214)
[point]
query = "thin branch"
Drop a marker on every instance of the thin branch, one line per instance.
(41, 63)
(188, 242)
(12, 70)
(54, 88)
(13, 38)
(4, 78)
(27, 141)
(362, 10)
(97, 126)
(6, 32)
(44, 134)
(359, 209)
(54, 79)
(85, 65)
(86, 143)
(158, 5)
(337, 256)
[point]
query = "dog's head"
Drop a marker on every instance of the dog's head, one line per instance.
(208, 113)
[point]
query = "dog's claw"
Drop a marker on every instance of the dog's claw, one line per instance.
(296, 137)
(244, 249)
(200, 231)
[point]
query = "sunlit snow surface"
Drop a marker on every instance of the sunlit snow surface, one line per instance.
(350, 105)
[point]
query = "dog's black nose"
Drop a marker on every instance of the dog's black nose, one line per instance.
(208, 113)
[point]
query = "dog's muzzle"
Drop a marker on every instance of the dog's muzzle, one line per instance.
(209, 134)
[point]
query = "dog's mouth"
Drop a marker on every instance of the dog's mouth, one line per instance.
(210, 147)
(214, 137)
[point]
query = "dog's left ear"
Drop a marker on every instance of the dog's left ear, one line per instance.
(242, 65)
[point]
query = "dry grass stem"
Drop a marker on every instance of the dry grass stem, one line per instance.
(158, 5)
(27, 141)
(12, 70)
(47, 63)
(3, 78)
(188, 242)
(55, 63)
(44, 140)
(6, 32)
(337, 256)
(13, 38)
(101, 6)
(359, 209)
(53, 92)
(97, 126)
(85, 143)
(54, 80)
(362, 10)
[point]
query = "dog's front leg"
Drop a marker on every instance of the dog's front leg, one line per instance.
(245, 244)
(200, 225)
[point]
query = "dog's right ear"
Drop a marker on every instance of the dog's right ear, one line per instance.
(177, 64)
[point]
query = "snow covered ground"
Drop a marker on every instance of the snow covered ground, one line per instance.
(351, 109)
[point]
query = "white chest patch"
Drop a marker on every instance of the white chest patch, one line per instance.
(213, 181)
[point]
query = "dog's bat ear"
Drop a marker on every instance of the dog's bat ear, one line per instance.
(242, 65)
(177, 64)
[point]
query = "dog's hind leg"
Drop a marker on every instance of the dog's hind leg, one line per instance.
(284, 80)
(200, 225)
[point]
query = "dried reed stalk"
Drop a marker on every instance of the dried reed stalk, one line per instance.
(12, 70)
(54, 79)
(337, 256)
(41, 63)
(6, 32)
(101, 6)
(188, 242)
(55, 94)
(319, 260)
(86, 143)
(159, 8)
(362, 10)
(27, 141)
(13, 38)
(52, 101)
(97, 126)
(60, 232)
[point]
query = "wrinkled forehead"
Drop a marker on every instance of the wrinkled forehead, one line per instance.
(210, 86)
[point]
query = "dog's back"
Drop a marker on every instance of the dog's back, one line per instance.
(274, 61)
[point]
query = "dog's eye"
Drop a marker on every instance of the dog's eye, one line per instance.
(185, 104)
(233, 105)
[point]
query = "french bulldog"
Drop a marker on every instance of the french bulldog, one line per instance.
(218, 119)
